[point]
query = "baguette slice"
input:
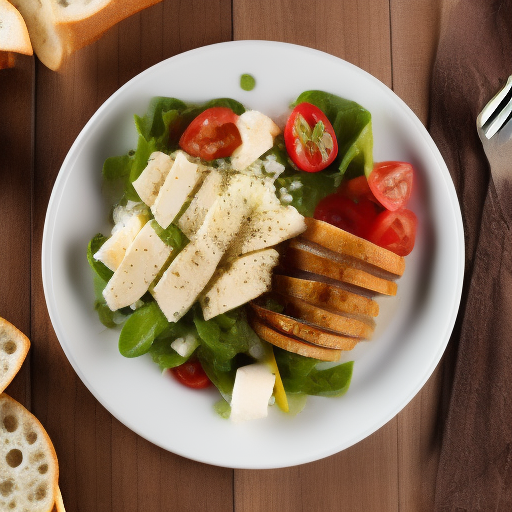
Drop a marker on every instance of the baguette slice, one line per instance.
(325, 295)
(59, 28)
(293, 344)
(290, 326)
(344, 325)
(14, 346)
(14, 36)
(340, 241)
(299, 258)
(13, 30)
(29, 471)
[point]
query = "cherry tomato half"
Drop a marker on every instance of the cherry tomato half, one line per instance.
(391, 183)
(191, 374)
(310, 139)
(212, 134)
(356, 189)
(395, 231)
(356, 218)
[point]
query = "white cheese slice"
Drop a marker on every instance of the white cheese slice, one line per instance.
(194, 266)
(203, 200)
(143, 260)
(257, 132)
(112, 252)
(245, 279)
(148, 184)
(252, 390)
(271, 227)
(180, 182)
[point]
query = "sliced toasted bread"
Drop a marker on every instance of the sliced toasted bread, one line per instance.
(29, 469)
(14, 346)
(325, 295)
(342, 242)
(297, 257)
(59, 28)
(303, 331)
(344, 325)
(13, 30)
(293, 344)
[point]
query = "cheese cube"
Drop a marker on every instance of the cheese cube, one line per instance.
(252, 390)
(142, 262)
(193, 267)
(148, 184)
(180, 182)
(245, 279)
(257, 132)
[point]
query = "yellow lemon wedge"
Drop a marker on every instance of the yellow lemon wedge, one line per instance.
(279, 392)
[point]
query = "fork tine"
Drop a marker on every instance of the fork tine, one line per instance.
(493, 104)
(499, 120)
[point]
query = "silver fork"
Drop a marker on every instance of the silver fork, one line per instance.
(494, 126)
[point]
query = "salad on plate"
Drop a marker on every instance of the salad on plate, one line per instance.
(248, 255)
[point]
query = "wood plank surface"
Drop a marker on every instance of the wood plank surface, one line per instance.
(16, 144)
(105, 466)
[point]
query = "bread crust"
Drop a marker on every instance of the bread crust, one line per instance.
(293, 327)
(294, 345)
(344, 325)
(325, 295)
(340, 241)
(301, 259)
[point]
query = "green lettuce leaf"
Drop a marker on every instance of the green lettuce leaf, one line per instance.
(99, 268)
(141, 329)
(161, 351)
(300, 375)
(153, 123)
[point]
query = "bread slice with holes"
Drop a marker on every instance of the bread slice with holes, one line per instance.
(29, 469)
(58, 28)
(292, 344)
(341, 242)
(14, 346)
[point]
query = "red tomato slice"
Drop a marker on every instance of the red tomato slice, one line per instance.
(357, 188)
(191, 374)
(356, 218)
(395, 231)
(310, 139)
(212, 134)
(391, 183)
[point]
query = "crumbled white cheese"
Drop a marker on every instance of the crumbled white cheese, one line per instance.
(185, 346)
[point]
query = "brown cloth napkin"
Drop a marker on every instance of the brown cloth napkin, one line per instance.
(474, 59)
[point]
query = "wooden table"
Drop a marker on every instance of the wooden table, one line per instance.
(105, 466)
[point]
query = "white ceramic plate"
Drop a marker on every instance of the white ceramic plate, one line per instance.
(413, 328)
